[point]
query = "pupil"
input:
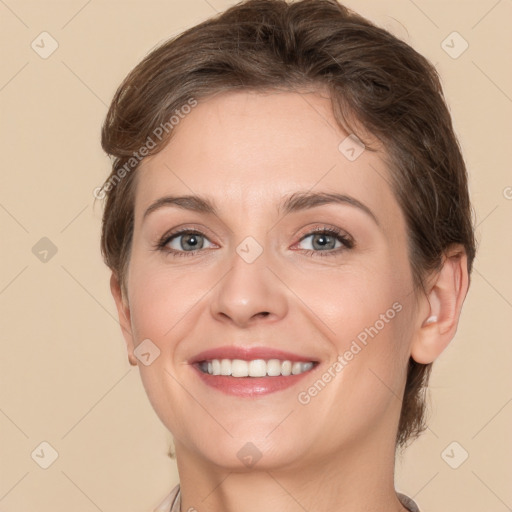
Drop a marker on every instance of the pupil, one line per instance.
(194, 241)
(323, 240)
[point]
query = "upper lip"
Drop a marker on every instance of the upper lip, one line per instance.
(249, 354)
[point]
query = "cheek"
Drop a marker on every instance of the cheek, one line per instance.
(161, 300)
(161, 306)
(365, 315)
(355, 299)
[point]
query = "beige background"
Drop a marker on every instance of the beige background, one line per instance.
(65, 377)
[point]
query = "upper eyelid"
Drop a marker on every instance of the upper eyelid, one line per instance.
(326, 229)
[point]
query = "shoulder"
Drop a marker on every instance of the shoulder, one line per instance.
(407, 502)
(171, 501)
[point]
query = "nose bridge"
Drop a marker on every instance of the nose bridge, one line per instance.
(249, 290)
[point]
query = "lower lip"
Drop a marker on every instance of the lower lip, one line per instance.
(250, 386)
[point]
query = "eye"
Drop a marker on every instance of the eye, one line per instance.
(329, 241)
(324, 242)
(182, 243)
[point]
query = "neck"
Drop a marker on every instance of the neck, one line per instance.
(352, 480)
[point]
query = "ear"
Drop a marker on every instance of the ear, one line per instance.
(123, 310)
(440, 317)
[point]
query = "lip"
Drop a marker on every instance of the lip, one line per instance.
(248, 354)
(248, 387)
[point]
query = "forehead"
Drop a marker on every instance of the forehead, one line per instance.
(249, 149)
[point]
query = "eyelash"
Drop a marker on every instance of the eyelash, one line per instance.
(348, 243)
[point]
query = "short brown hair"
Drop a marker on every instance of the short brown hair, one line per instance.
(376, 80)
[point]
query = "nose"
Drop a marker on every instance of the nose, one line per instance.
(249, 293)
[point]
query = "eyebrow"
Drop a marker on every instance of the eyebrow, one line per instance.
(297, 201)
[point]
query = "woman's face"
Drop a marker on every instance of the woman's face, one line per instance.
(254, 276)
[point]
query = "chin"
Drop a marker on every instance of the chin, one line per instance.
(253, 454)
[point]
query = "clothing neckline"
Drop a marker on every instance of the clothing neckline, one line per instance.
(172, 502)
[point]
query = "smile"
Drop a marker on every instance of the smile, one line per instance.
(255, 368)
(249, 372)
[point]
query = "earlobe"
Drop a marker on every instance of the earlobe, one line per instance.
(438, 327)
(123, 310)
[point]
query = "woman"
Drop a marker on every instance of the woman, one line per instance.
(289, 231)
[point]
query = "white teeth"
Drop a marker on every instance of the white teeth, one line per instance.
(225, 367)
(239, 368)
(274, 368)
(296, 367)
(286, 368)
(254, 368)
(257, 368)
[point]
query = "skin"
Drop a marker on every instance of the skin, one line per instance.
(246, 151)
